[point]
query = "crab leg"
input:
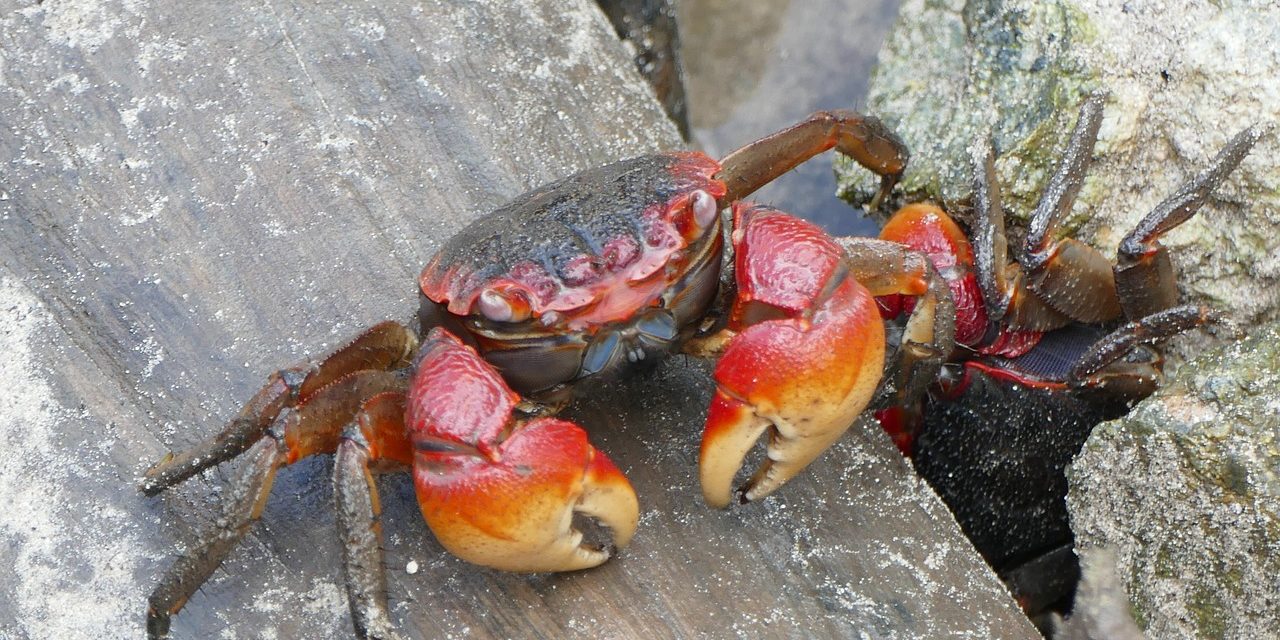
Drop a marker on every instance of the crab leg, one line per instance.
(501, 489)
(804, 350)
(1143, 272)
(377, 435)
(242, 507)
(889, 268)
(1003, 284)
(384, 346)
(1111, 363)
(1048, 291)
(863, 138)
(311, 428)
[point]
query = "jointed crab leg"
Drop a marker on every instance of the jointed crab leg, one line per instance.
(1064, 185)
(236, 438)
(312, 428)
(1048, 290)
(243, 506)
(886, 268)
(1111, 363)
(1143, 273)
(863, 138)
(1002, 282)
(377, 435)
(384, 346)
(300, 412)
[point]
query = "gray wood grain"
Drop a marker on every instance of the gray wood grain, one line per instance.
(194, 194)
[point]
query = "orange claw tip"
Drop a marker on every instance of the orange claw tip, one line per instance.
(516, 514)
(732, 429)
(805, 383)
(609, 498)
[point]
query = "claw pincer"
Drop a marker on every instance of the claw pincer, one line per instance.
(497, 489)
(806, 358)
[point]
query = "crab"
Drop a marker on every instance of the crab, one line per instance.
(1046, 347)
(589, 276)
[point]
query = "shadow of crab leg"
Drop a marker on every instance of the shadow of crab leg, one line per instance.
(387, 345)
(1143, 273)
(1111, 362)
(244, 502)
(863, 138)
(314, 427)
(886, 268)
(377, 435)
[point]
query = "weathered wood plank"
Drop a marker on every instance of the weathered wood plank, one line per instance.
(193, 194)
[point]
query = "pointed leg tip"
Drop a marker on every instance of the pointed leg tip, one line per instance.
(157, 624)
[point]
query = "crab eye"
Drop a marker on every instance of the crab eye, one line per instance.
(704, 208)
(500, 307)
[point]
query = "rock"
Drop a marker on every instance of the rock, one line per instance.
(1181, 83)
(1100, 610)
(1186, 490)
(194, 194)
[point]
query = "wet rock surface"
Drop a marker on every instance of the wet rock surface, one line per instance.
(194, 195)
(1181, 83)
(1186, 490)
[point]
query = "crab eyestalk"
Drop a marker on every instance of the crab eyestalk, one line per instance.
(500, 491)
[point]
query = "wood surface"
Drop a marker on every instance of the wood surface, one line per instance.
(194, 194)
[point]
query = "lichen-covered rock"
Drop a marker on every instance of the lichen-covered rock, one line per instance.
(1181, 83)
(1186, 489)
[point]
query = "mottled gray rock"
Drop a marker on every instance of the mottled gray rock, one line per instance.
(1186, 490)
(1182, 81)
(1100, 610)
(193, 194)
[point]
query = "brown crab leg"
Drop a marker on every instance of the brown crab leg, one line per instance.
(243, 505)
(236, 438)
(1003, 286)
(1143, 273)
(1106, 364)
(314, 427)
(1069, 275)
(863, 138)
(377, 435)
(387, 345)
(886, 268)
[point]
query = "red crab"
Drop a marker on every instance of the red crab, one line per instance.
(577, 279)
(1046, 348)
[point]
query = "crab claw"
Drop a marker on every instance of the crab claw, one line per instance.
(804, 364)
(499, 491)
